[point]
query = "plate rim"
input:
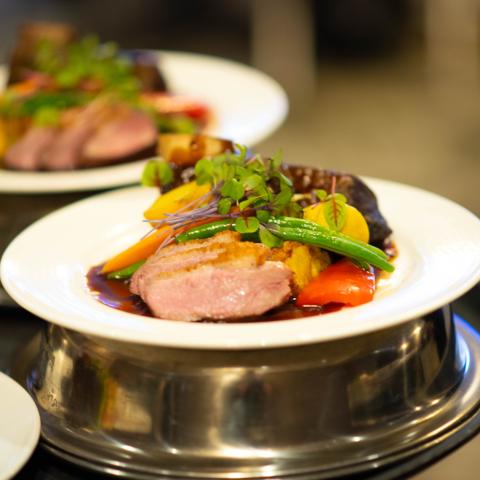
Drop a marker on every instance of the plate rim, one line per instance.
(28, 449)
(226, 329)
(128, 173)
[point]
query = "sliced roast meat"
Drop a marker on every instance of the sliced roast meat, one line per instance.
(178, 257)
(120, 139)
(66, 151)
(26, 153)
(308, 179)
(219, 278)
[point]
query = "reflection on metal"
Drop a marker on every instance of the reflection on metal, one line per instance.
(326, 408)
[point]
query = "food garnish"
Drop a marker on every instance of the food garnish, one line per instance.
(333, 212)
(157, 173)
(234, 201)
(87, 60)
(253, 193)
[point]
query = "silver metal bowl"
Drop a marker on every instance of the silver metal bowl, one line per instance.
(324, 409)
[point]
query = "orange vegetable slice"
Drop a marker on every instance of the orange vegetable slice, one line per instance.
(139, 251)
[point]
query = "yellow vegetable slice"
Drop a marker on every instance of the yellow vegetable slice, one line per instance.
(3, 139)
(175, 199)
(355, 224)
(304, 261)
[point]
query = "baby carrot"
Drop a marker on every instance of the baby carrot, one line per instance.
(138, 251)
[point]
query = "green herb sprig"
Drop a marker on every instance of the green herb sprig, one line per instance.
(247, 183)
(335, 207)
(252, 196)
(87, 59)
(252, 189)
(157, 173)
(247, 189)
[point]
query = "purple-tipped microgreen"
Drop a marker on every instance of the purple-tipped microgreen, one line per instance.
(335, 206)
(335, 210)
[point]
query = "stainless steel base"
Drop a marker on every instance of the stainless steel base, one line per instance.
(314, 411)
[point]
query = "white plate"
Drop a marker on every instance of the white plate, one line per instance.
(44, 271)
(247, 105)
(19, 427)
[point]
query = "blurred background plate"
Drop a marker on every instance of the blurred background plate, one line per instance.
(247, 107)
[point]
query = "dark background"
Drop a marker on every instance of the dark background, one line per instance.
(387, 88)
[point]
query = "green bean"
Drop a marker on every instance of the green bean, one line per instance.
(303, 231)
(292, 222)
(204, 231)
(125, 273)
(334, 242)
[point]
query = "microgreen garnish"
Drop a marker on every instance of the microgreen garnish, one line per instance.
(87, 59)
(224, 206)
(247, 189)
(268, 238)
(252, 196)
(232, 189)
(251, 189)
(247, 224)
(263, 215)
(157, 173)
(335, 208)
(321, 194)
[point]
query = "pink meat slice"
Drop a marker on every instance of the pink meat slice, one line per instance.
(219, 278)
(178, 257)
(66, 151)
(27, 152)
(120, 138)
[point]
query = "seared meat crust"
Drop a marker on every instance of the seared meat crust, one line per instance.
(217, 278)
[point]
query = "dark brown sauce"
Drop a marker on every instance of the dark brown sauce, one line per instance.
(116, 294)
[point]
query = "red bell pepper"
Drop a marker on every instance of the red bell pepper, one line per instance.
(342, 282)
(168, 104)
